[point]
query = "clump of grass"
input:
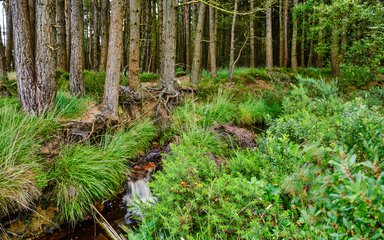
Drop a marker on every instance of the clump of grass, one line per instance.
(252, 111)
(84, 174)
(221, 109)
(203, 139)
(70, 107)
(149, 77)
(17, 187)
(20, 139)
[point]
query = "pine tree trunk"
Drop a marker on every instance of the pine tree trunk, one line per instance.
(96, 36)
(268, 44)
(2, 57)
(32, 22)
(104, 35)
(294, 40)
(281, 34)
(61, 36)
(9, 44)
(302, 48)
(335, 52)
(169, 45)
(286, 26)
(212, 41)
(134, 44)
(310, 55)
(252, 34)
(198, 46)
(76, 80)
(24, 59)
(45, 54)
(161, 36)
(115, 47)
(232, 48)
(320, 57)
(187, 30)
(68, 30)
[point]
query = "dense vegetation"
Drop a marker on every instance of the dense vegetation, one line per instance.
(268, 116)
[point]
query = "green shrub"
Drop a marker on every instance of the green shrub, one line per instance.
(356, 76)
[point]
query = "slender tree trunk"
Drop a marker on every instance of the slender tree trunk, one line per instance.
(335, 51)
(169, 46)
(268, 44)
(320, 57)
(46, 54)
(310, 55)
(134, 44)
(104, 34)
(96, 36)
(161, 35)
(2, 57)
(89, 30)
(9, 44)
(187, 29)
(115, 47)
(302, 48)
(76, 80)
(197, 52)
(281, 34)
(294, 39)
(344, 39)
(68, 30)
(286, 26)
(61, 36)
(252, 34)
(232, 48)
(212, 41)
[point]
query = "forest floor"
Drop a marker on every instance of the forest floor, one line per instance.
(247, 159)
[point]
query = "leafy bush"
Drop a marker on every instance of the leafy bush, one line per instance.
(356, 76)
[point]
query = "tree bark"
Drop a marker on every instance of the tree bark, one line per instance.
(281, 34)
(134, 44)
(187, 30)
(252, 34)
(68, 30)
(2, 57)
(24, 59)
(320, 57)
(212, 41)
(198, 45)
(286, 26)
(115, 47)
(96, 36)
(104, 34)
(76, 80)
(45, 54)
(61, 36)
(32, 22)
(169, 46)
(9, 44)
(268, 44)
(294, 39)
(232, 48)
(335, 52)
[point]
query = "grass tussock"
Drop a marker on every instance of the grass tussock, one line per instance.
(84, 174)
